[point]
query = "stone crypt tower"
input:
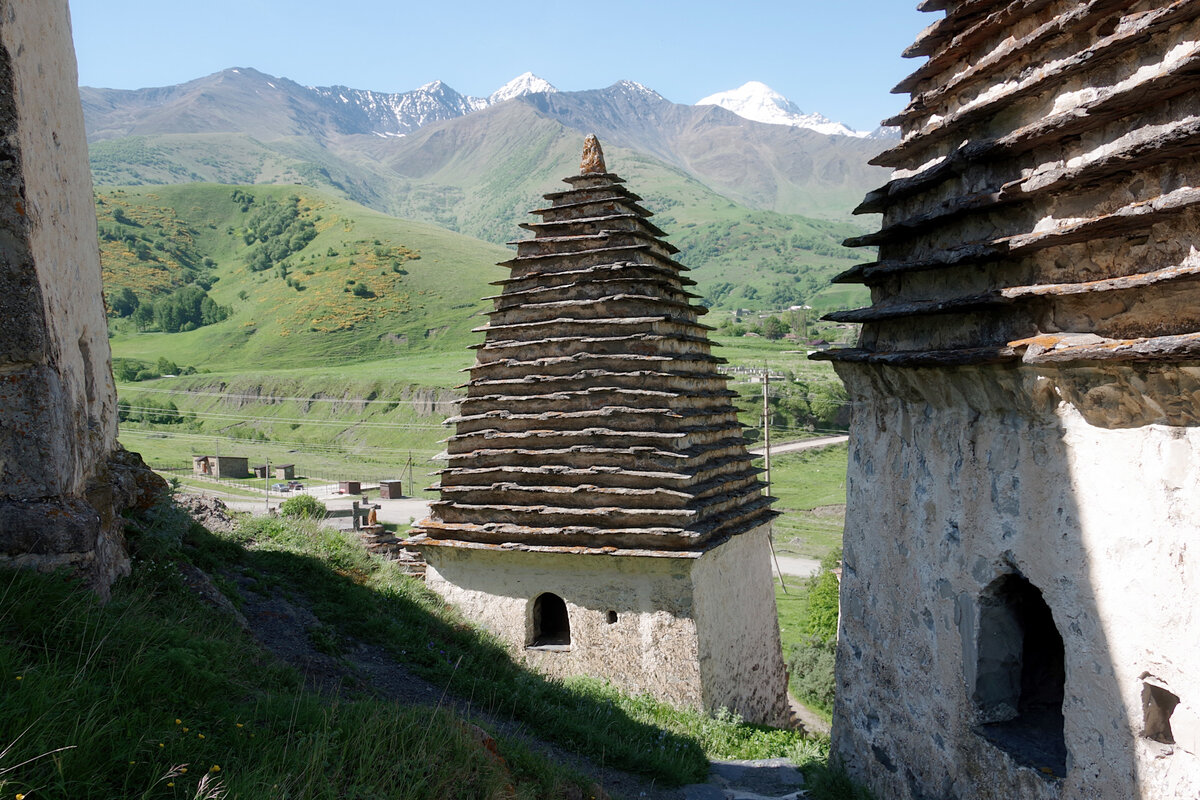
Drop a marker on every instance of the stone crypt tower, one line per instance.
(600, 511)
(1018, 602)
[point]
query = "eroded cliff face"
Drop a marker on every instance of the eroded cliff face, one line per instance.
(63, 480)
(1017, 592)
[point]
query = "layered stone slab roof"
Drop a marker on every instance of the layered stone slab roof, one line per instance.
(1044, 204)
(595, 416)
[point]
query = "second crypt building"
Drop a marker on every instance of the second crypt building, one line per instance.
(600, 511)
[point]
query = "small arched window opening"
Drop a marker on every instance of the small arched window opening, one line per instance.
(1021, 676)
(1158, 705)
(551, 625)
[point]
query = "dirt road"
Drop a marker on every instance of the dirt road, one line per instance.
(803, 444)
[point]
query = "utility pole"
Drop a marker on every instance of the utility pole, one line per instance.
(267, 487)
(766, 383)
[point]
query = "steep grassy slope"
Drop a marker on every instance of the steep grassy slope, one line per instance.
(366, 286)
(237, 158)
(740, 258)
(161, 695)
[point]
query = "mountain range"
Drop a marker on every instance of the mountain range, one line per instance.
(116, 112)
(397, 152)
(759, 210)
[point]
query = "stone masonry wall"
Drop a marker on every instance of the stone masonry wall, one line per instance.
(63, 479)
(1021, 496)
(955, 482)
(650, 647)
(740, 657)
(694, 631)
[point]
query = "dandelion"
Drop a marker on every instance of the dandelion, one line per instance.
(215, 768)
(240, 725)
(182, 770)
(132, 762)
(199, 735)
(160, 744)
(185, 730)
(21, 678)
(178, 721)
(20, 797)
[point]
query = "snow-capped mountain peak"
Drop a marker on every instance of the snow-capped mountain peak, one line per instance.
(526, 83)
(634, 87)
(758, 102)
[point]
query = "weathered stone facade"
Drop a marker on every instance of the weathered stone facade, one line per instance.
(600, 510)
(63, 478)
(1023, 492)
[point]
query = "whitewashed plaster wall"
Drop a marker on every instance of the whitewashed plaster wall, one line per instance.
(1086, 483)
(694, 631)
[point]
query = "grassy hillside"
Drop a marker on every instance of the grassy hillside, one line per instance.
(342, 354)
(482, 176)
(160, 694)
(364, 287)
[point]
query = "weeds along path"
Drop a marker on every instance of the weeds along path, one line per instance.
(335, 663)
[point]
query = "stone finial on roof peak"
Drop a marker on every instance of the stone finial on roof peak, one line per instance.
(593, 157)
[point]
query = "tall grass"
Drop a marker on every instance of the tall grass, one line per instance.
(155, 696)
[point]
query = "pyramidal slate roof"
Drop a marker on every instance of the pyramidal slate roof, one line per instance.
(595, 416)
(1044, 204)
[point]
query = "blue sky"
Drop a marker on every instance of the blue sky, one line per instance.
(838, 57)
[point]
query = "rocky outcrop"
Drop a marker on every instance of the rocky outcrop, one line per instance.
(209, 512)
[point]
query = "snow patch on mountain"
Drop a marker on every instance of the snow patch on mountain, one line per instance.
(760, 103)
(390, 113)
(523, 84)
(633, 87)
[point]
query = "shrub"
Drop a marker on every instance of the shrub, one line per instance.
(823, 606)
(812, 671)
(304, 505)
(123, 302)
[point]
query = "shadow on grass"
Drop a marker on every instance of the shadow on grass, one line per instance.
(354, 594)
(155, 696)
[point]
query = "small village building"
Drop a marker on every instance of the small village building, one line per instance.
(259, 470)
(285, 472)
(600, 512)
(221, 466)
(350, 487)
(391, 490)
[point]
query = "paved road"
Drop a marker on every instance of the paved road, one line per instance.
(803, 444)
(802, 567)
